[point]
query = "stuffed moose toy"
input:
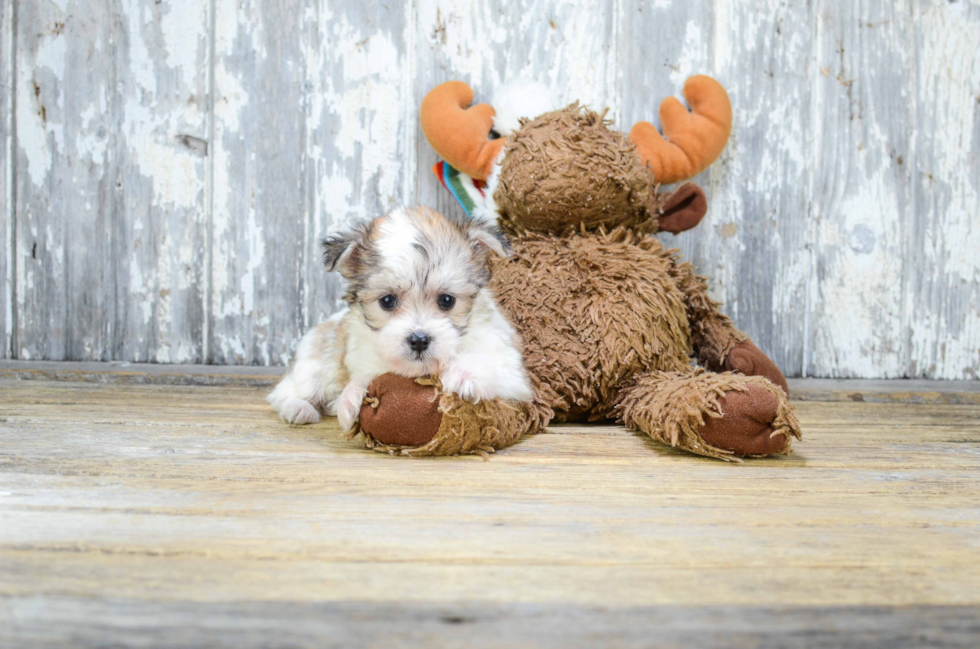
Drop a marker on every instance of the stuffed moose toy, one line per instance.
(610, 319)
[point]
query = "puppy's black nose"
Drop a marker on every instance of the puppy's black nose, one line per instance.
(419, 342)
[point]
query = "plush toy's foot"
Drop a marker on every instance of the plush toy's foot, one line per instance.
(748, 424)
(717, 415)
(748, 359)
(415, 417)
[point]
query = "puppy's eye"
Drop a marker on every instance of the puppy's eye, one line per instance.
(388, 302)
(446, 301)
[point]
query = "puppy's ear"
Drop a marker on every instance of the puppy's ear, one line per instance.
(488, 238)
(343, 252)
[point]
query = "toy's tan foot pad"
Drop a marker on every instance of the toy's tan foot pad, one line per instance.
(746, 426)
(398, 411)
(748, 359)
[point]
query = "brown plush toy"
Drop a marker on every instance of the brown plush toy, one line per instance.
(610, 319)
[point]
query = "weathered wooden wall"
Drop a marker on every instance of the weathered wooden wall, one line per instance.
(169, 165)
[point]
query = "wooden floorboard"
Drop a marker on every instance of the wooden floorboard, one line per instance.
(183, 514)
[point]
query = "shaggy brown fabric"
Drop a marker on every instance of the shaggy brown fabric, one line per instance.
(568, 169)
(593, 311)
(674, 407)
(410, 416)
(465, 427)
(712, 334)
(746, 358)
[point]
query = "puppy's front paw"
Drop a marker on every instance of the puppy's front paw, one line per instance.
(349, 405)
(461, 381)
(298, 411)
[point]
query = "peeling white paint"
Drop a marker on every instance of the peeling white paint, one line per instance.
(36, 136)
(691, 52)
(811, 170)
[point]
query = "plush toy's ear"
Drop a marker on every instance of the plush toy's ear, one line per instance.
(489, 238)
(683, 209)
(342, 253)
(459, 132)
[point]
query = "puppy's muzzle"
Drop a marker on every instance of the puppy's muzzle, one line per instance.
(419, 342)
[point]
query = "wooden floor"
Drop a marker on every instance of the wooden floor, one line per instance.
(188, 515)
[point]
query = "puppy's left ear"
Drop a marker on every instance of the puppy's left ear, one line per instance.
(342, 253)
(489, 238)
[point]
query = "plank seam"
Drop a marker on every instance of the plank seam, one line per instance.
(10, 342)
(209, 192)
(411, 103)
(907, 225)
(309, 184)
(811, 246)
(614, 87)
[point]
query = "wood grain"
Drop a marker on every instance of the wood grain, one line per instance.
(111, 108)
(943, 293)
(165, 505)
(167, 173)
(861, 205)
(257, 255)
(60, 620)
(67, 188)
(160, 65)
(6, 177)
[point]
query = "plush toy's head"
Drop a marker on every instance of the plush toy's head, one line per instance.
(553, 170)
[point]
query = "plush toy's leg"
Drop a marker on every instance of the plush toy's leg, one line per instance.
(718, 345)
(717, 415)
(415, 417)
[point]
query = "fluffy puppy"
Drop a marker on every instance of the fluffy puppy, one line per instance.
(418, 304)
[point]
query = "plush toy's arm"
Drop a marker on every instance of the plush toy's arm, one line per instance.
(717, 344)
(713, 335)
(415, 417)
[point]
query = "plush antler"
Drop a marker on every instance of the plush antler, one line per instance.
(694, 139)
(457, 133)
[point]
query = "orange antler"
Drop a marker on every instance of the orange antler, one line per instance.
(694, 139)
(457, 133)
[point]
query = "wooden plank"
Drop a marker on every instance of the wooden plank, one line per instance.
(361, 115)
(942, 267)
(63, 620)
(110, 127)
(754, 248)
(863, 123)
(161, 112)
(142, 373)
(886, 391)
(6, 177)
(871, 391)
(259, 224)
(570, 47)
(65, 105)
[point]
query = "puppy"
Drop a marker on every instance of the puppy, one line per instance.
(418, 304)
